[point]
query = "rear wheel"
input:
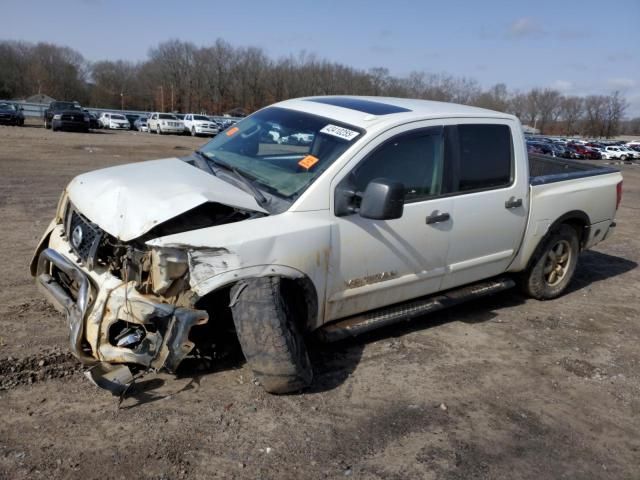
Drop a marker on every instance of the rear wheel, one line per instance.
(554, 265)
(269, 337)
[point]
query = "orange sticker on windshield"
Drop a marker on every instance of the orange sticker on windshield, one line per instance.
(231, 131)
(308, 162)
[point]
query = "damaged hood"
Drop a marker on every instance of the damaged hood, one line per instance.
(129, 200)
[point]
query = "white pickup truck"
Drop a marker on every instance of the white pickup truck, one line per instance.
(396, 208)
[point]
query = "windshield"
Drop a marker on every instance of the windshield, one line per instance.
(167, 116)
(7, 106)
(283, 151)
(201, 117)
(117, 117)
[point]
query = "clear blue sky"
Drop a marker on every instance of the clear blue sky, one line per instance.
(578, 47)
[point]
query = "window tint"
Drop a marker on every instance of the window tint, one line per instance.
(415, 160)
(485, 156)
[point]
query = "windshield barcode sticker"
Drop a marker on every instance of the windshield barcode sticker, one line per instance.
(340, 132)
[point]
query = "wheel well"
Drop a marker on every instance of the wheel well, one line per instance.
(299, 293)
(578, 220)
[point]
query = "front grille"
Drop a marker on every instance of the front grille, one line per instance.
(72, 118)
(83, 236)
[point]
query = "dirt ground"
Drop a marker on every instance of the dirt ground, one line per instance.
(502, 388)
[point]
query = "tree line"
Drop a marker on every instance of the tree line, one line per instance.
(182, 77)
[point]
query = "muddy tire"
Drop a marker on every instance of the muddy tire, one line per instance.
(269, 337)
(553, 266)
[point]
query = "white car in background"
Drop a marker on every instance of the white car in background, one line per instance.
(115, 121)
(200, 125)
(631, 153)
(161, 123)
(603, 153)
(619, 152)
(299, 138)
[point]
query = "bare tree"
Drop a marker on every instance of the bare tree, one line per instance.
(571, 112)
(595, 107)
(616, 106)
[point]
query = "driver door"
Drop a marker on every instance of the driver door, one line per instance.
(375, 263)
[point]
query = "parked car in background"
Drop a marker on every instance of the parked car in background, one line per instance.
(573, 152)
(616, 152)
(631, 153)
(132, 119)
(141, 124)
(542, 148)
(115, 121)
(560, 151)
(603, 153)
(593, 153)
(11, 114)
(298, 138)
(66, 116)
(162, 123)
(224, 123)
(200, 125)
(94, 122)
(586, 152)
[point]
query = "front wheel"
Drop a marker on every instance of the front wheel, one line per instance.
(623, 157)
(269, 337)
(553, 266)
(158, 130)
(193, 131)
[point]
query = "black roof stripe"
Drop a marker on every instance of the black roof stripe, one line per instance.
(365, 106)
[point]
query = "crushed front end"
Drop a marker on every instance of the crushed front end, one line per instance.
(129, 306)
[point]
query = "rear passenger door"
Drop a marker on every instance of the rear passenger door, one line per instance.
(490, 199)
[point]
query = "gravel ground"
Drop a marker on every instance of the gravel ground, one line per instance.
(501, 388)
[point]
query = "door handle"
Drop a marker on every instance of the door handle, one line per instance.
(436, 217)
(513, 203)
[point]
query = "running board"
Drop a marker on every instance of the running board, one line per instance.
(365, 322)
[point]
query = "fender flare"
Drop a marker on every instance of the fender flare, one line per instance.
(575, 215)
(228, 278)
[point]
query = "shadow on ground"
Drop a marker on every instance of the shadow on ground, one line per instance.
(334, 362)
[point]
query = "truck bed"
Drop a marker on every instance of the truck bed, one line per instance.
(544, 169)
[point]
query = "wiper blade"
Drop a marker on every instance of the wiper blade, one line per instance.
(248, 182)
(204, 161)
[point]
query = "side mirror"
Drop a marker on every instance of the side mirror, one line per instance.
(383, 199)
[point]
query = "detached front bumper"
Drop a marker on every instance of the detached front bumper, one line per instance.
(100, 306)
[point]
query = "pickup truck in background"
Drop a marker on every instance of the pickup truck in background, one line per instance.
(390, 209)
(66, 116)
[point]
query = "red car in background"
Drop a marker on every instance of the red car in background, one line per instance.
(586, 152)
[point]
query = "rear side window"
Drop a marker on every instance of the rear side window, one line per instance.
(485, 157)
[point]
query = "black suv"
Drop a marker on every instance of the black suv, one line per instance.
(11, 114)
